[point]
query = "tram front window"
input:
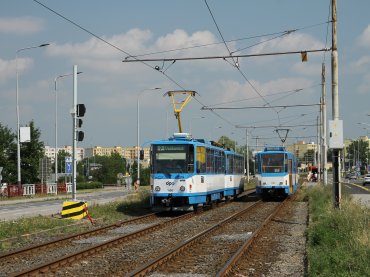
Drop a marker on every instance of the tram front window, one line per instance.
(170, 158)
(272, 163)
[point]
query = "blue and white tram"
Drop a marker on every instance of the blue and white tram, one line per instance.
(234, 180)
(186, 172)
(277, 172)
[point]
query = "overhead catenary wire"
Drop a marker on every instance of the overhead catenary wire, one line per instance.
(148, 65)
(224, 57)
(290, 92)
(123, 51)
(206, 45)
(261, 107)
(276, 34)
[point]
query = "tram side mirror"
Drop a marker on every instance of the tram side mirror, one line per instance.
(141, 155)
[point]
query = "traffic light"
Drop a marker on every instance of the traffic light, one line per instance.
(80, 135)
(141, 154)
(81, 109)
(80, 112)
(79, 122)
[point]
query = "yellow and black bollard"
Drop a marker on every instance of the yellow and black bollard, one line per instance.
(75, 210)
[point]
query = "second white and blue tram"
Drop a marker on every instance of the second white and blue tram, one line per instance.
(187, 172)
(277, 172)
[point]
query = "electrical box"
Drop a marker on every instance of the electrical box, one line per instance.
(336, 134)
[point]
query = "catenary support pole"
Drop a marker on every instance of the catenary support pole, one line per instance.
(335, 107)
(324, 151)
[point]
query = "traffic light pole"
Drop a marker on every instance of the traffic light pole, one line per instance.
(74, 116)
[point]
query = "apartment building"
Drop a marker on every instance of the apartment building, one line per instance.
(128, 153)
(50, 152)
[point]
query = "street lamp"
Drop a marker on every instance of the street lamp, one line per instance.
(138, 132)
(56, 123)
(19, 181)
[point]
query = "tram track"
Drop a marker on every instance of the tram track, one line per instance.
(51, 264)
(243, 253)
(66, 245)
(208, 251)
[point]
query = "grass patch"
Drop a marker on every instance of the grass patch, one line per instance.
(251, 184)
(20, 232)
(134, 205)
(338, 239)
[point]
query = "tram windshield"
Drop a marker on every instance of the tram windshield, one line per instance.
(172, 158)
(272, 163)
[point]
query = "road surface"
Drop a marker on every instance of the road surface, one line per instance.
(11, 209)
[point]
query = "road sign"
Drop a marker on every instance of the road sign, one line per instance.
(68, 163)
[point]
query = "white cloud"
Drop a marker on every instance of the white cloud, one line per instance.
(243, 94)
(361, 65)
(307, 68)
(292, 42)
(8, 68)
(97, 55)
(187, 44)
(364, 87)
(21, 25)
(364, 39)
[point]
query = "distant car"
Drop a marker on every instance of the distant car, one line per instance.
(366, 179)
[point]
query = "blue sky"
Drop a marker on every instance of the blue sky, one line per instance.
(110, 88)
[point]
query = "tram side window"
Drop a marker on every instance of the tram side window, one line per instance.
(190, 159)
(219, 162)
(210, 160)
(286, 162)
(201, 159)
(257, 162)
(230, 169)
(239, 168)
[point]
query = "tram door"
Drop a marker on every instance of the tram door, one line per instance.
(290, 162)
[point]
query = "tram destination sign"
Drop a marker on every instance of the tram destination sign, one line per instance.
(171, 148)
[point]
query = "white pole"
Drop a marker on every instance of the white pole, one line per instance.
(74, 116)
(56, 133)
(19, 181)
(246, 133)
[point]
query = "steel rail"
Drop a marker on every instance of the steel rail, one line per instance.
(163, 258)
(227, 270)
(71, 237)
(53, 265)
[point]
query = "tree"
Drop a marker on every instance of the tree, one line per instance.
(110, 167)
(227, 142)
(309, 156)
(31, 153)
(8, 154)
(357, 152)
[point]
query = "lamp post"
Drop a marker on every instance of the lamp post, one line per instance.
(138, 132)
(56, 123)
(19, 181)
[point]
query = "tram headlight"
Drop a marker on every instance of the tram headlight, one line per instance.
(182, 188)
(157, 188)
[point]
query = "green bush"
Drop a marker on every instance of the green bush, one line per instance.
(338, 239)
(89, 185)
